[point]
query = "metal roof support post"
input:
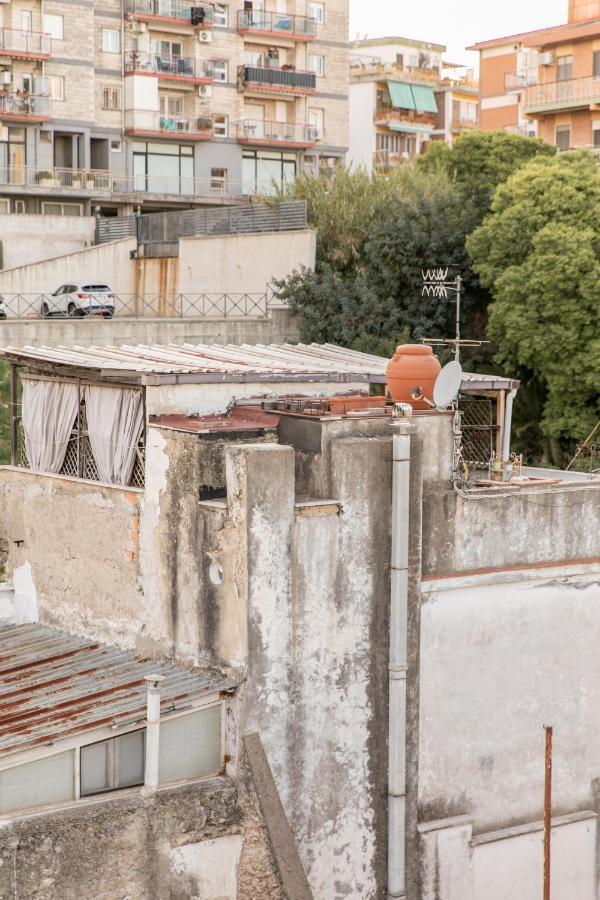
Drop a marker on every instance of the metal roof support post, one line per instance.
(14, 416)
(153, 683)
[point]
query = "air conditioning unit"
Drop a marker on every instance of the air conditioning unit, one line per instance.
(139, 27)
(546, 59)
(205, 90)
(205, 37)
(6, 76)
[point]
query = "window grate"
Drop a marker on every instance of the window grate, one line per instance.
(478, 431)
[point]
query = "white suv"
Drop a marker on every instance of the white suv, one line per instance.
(82, 299)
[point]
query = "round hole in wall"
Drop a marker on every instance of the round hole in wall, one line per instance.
(215, 573)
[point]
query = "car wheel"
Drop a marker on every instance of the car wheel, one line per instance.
(45, 311)
(73, 312)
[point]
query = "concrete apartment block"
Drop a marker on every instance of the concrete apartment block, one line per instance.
(146, 104)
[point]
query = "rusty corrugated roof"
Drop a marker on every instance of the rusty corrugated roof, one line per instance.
(53, 685)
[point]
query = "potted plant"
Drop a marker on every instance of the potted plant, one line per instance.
(45, 178)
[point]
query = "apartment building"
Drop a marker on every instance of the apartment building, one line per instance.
(545, 83)
(402, 95)
(166, 104)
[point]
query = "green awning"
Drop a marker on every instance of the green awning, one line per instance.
(401, 95)
(424, 98)
(410, 128)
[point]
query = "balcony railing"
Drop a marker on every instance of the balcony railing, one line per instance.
(200, 14)
(516, 83)
(387, 159)
(278, 79)
(523, 130)
(171, 67)
(65, 179)
(277, 24)
(258, 131)
(193, 128)
(563, 94)
(384, 114)
(26, 44)
(20, 107)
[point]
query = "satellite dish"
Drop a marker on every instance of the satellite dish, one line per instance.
(447, 385)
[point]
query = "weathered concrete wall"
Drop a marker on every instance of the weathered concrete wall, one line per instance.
(73, 552)
(280, 326)
(28, 239)
(197, 841)
(499, 659)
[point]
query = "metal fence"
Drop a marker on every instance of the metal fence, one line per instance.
(170, 226)
(140, 306)
(479, 431)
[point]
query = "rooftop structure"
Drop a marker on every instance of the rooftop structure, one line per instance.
(544, 83)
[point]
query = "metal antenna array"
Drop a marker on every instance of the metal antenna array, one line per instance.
(436, 284)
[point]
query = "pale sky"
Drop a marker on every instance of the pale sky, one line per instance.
(455, 23)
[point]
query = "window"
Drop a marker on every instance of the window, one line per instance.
(111, 40)
(26, 20)
(54, 26)
(220, 126)
(316, 123)
(56, 86)
(220, 70)
(45, 136)
(27, 80)
(563, 137)
(400, 60)
(111, 98)
(218, 179)
(54, 208)
(113, 764)
(116, 146)
(316, 11)
(596, 64)
(40, 783)
(467, 112)
(168, 49)
(221, 18)
(316, 64)
(564, 68)
(171, 105)
(190, 745)
(163, 169)
(596, 137)
(266, 172)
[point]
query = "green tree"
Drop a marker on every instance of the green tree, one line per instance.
(4, 414)
(538, 252)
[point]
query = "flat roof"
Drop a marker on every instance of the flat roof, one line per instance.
(220, 364)
(54, 685)
(397, 39)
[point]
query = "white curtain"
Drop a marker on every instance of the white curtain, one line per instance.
(48, 413)
(115, 419)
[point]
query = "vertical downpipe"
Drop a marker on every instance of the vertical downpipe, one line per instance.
(398, 662)
(153, 683)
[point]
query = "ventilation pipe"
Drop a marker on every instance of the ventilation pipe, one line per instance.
(398, 662)
(153, 683)
(507, 424)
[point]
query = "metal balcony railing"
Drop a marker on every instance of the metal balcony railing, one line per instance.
(523, 130)
(258, 130)
(516, 83)
(65, 179)
(563, 94)
(389, 158)
(279, 78)
(201, 14)
(168, 124)
(14, 42)
(169, 66)
(22, 106)
(277, 23)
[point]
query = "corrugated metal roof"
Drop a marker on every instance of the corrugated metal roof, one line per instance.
(216, 363)
(53, 685)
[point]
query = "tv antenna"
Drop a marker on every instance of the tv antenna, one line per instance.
(436, 284)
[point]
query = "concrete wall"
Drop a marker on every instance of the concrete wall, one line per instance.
(26, 239)
(278, 327)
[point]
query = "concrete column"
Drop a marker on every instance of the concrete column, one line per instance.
(446, 859)
(153, 683)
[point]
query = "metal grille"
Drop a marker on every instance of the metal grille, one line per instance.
(478, 430)
(79, 459)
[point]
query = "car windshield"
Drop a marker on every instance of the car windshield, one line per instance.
(95, 287)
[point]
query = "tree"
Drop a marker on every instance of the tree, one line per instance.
(538, 252)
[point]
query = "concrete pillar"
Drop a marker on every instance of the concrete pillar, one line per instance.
(446, 859)
(153, 683)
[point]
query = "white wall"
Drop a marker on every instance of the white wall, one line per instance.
(28, 239)
(362, 128)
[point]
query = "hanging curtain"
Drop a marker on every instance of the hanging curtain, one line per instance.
(49, 410)
(115, 420)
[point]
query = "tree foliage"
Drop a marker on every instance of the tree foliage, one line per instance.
(538, 252)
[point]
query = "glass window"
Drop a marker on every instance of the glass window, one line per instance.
(54, 26)
(111, 98)
(218, 179)
(564, 68)
(27, 82)
(266, 172)
(316, 11)
(163, 168)
(220, 126)
(563, 137)
(39, 783)
(26, 20)
(221, 19)
(111, 40)
(190, 745)
(56, 86)
(596, 137)
(171, 105)
(316, 64)
(112, 764)
(316, 122)
(220, 70)
(596, 64)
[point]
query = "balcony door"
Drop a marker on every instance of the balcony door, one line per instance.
(12, 157)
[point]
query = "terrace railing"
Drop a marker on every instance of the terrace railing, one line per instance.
(276, 23)
(152, 306)
(278, 77)
(15, 42)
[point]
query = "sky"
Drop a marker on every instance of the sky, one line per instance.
(456, 24)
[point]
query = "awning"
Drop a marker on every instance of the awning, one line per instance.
(401, 95)
(410, 127)
(424, 98)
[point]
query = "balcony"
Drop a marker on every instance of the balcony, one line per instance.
(528, 130)
(170, 68)
(404, 120)
(200, 15)
(145, 124)
(78, 181)
(281, 134)
(273, 80)
(572, 94)
(24, 44)
(514, 83)
(276, 25)
(389, 159)
(24, 108)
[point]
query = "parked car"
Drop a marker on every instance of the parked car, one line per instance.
(3, 311)
(82, 299)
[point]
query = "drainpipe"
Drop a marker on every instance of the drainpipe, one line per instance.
(398, 662)
(153, 683)
(508, 423)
